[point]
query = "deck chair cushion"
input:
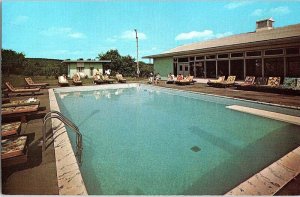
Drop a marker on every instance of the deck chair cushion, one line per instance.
(13, 147)
(273, 81)
(230, 79)
(10, 128)
(261, 81)
(298, 83)
(249, 79)
(289, 82)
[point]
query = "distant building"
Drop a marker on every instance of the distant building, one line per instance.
(268, 51)
(88, 67)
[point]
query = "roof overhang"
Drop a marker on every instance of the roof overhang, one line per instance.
(242, 46)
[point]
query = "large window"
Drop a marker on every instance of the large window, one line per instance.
(237, 68)
(253, 53)
(211, 69)
(293, 67)
(199, 69)
(183, 59)
(274, 67)
(223, 68)
(80, 69)
(253, 67)
(192, 69)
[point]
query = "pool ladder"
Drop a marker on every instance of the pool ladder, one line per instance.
(57, 115)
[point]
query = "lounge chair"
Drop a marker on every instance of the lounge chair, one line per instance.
(272, 84)
(98, 79)
(30, 83)
(12, 89)
(76, 79)
(14, 151)
(249, 81)
(106, 79)
(23, 102)
(20, 111)
(289, 86)
(219, 80)
(229, 82)
(120, 78)
(261, 81)
(186, 81)
(62, 81)
(10, 129)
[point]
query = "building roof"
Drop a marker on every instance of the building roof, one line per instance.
(251, 37)
(86, 61)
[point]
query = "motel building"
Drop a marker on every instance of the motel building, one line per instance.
(86, 67)
(266, 52)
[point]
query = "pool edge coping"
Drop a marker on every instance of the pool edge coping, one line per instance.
(70, 180)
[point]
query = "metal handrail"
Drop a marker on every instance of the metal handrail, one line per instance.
(62, 118)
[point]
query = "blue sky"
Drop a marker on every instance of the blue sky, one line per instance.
(83, 29)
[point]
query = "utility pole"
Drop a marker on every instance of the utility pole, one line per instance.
(137, 54)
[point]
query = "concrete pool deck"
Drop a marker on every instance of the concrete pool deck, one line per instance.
(12, 184)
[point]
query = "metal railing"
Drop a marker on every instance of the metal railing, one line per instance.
(57, 115)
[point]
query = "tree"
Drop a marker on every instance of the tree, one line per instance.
(116, 60)
(12, 61)
(125, 65)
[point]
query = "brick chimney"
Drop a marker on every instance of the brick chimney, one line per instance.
(265, 24)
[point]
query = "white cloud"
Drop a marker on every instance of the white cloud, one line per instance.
(127, 35)
(194, 35)
(221, 35)
(20, 20)
(202, 35)
(76, 35)
(62, 31)
(282, 10)
(257, 12)
(236, 4)
(130, 35)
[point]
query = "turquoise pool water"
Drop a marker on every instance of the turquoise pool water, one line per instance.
(151, 141)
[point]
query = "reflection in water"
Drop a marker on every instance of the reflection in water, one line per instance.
(97, 95)
(62, 95)
(77, 94)
(119, 91)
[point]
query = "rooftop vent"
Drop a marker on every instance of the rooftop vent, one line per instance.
(265, 24)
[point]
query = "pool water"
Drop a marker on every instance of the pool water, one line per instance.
(152, 141)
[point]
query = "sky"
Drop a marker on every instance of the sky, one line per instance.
(84, 29)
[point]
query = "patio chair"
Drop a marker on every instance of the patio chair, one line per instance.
(261, 81)
(106, 79)
(219, 80)
(98, 79)
(229, 82)
(76, 79)
(23, 102)
(9, 129)
(14, 151)
(120, 78)
(186, 81)
(289, 86)
(62, 81)
(249, 81)
(20, 111)
(12, 89)
(272, 85)
(30, 83)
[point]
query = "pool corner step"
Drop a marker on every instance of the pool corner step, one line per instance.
(267, 114)
(271, 179)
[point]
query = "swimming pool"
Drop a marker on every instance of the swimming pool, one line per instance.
(149, 140)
